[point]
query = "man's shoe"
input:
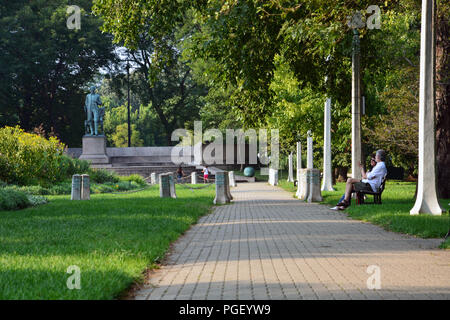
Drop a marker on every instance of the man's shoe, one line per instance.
(343, 203)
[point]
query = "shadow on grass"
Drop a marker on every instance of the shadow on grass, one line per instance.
(123, 233)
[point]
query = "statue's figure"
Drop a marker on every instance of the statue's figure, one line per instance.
(93, 112)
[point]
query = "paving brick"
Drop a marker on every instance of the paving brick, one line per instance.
(268, 245)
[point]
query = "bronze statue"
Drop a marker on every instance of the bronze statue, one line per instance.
(94, 114)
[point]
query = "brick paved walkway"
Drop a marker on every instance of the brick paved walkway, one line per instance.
(268, 245)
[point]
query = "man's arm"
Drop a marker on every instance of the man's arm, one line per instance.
(376, 171)
(363, 173)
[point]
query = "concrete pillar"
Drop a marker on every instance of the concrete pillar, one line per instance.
(194, 177)
(232, 179)
(173, 193)
(313, 185)
(85, 187)
(299, 166)
(165, 185)
(309, 151)
(427, 201)
(153, 178)
(356, 107)
(327, 184)
(76, 187)
(273, 176)
(302, 188)
(221, 191)
(227, 183)
(290, 168)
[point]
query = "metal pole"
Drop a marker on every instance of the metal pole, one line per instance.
(129, 124)
(356, 107)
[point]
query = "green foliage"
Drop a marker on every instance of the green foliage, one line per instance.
(135, 178)
(103, 176)
(120, 136)
(36, 200)
(46, 67)
(30, 159)
(13, 199)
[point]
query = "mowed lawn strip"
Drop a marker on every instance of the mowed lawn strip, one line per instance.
(393, 213)
(113, 239)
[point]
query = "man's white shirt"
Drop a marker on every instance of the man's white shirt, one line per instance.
(375, 176)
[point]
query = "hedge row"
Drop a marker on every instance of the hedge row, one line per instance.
(14, 199)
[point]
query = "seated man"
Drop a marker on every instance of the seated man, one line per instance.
(370, 182)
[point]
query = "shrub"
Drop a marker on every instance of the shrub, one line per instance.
(77, 166)
(101, 188)
(36, 200)
(34, 190)
(61, 188)
(13, 199)
(134, 177)
(103, 176)
(27, 158)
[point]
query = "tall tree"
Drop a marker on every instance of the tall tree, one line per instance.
(443, 98)
(45, 67)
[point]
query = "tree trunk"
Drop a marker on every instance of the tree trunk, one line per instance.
(442, 103)
(342, 174)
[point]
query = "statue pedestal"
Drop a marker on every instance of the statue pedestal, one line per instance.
(94, 149)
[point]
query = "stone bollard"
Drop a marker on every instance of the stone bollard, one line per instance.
(273, 176)
(85, 187)
(227, 181)
(302, 185)
(290, 168)
(313, 180)
(173, 194)
(153, 178)
(194, 177)
(164, 185)
(232, 179)
(76, 187)
(221, 188)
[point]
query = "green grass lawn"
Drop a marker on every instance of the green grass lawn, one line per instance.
(393, 214)
(112, 239)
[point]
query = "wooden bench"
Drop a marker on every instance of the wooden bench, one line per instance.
(376, 195)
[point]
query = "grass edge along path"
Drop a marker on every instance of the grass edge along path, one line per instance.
(112, 238)
(393, 213)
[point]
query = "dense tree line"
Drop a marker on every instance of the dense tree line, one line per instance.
(271, 58)
(230, 63)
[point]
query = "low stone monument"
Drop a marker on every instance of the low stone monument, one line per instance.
(154, 178)
(232, 179)
(85, 187)
(313, 182)
(290, 168)
(273, 176)
(309, 182)
(76, 187)
(221, 188)
(194, 178)
(302, 183)
(167, 185)
(173, 193)
(227, 182)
